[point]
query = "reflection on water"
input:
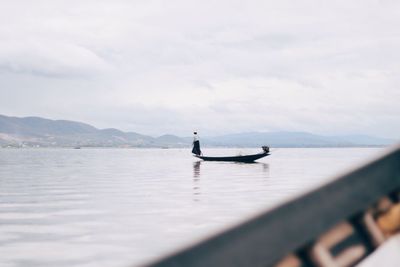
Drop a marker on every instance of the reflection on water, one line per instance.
(197, 164)
(196, 180)
(197, 172)
(196, 169)
(265, 168)
(105, 207)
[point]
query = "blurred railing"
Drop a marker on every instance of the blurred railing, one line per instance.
(338, 224)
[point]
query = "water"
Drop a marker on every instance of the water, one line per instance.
(117, 207)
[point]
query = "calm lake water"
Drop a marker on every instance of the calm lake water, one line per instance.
(122, 207)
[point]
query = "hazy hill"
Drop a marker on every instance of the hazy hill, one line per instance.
(170, 140)
(35, 131)
(35, 126)
(294, 139)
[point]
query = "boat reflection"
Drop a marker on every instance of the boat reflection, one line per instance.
(197, 174)
(196, 169)
(196, 180)
(265, 167)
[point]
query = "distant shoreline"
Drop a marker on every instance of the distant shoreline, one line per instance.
(38, 132)
(183, 148)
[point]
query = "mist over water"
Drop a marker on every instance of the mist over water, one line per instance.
(116, 207)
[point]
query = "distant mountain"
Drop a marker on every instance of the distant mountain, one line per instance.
(170, 140)
(294, 139)
(35, 131)
(35, 126)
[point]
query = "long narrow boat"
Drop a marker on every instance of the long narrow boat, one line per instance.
(244, 158)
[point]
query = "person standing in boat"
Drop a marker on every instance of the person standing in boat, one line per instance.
(196, 144)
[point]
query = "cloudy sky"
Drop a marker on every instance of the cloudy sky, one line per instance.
(155, 67)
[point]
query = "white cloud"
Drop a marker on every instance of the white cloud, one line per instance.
(50, 58)
(225, 66)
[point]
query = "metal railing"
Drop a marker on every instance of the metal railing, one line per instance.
(334, 225)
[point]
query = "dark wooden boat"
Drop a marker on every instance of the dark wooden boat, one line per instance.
(244, 158)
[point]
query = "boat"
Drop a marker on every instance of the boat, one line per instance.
(240, 158)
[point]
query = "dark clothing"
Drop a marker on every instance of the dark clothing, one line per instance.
(196, 148)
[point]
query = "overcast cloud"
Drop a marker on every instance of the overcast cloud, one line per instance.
(155, 67)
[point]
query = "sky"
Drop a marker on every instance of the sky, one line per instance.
(218, 67)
